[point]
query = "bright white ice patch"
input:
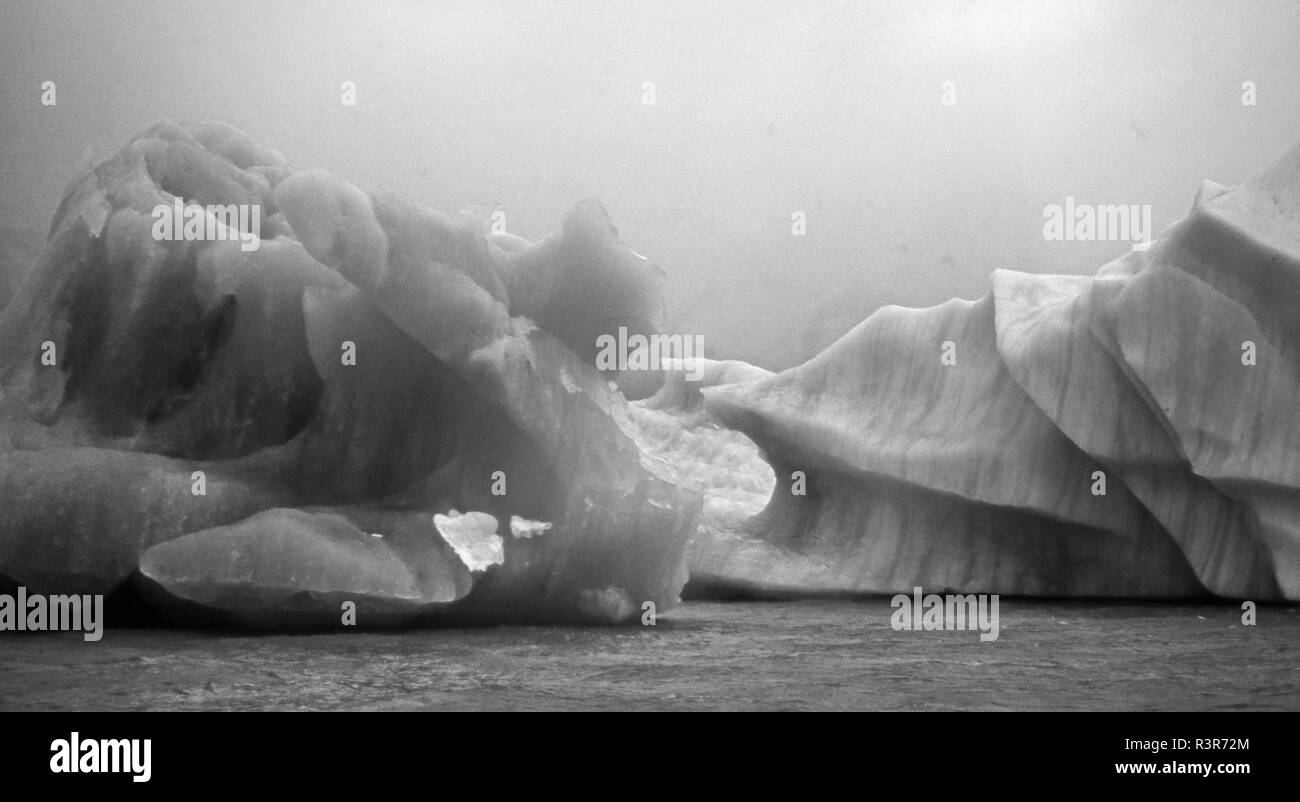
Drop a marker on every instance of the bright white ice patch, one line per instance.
(473, 536)
(522, 527)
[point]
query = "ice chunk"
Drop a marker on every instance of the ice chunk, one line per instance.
(473, 536)
(522, 527)
(286, 568)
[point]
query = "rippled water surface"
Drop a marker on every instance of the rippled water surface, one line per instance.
(704, 655)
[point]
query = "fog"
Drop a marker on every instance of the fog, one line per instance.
(761, 110)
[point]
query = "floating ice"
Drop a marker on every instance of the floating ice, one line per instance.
(232, 427)
(271, 438)
(522, 527)
(1129, 434)
(473, 536)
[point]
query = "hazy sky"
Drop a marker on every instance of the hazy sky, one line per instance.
(761, 109)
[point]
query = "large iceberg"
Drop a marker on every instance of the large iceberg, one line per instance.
(1131, 434)
(348, 408)
(351, 407)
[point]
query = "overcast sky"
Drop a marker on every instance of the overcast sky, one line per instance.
(761, 109)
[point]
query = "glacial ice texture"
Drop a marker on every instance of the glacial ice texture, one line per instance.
(1130, 434)
(383, 408)
(354, 410)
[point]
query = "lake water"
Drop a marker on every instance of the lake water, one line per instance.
(811, 655)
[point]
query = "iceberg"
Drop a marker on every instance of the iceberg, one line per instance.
(1129, 434)
(261, 435)
(352, 410)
